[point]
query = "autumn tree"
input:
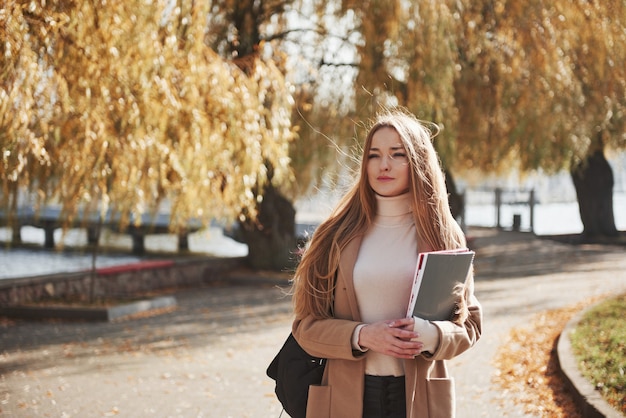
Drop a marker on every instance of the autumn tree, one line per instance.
(120, 106)
(523, 85)
(598, 52)
(167, 102)
(295, 35)
(542, 85)
(239, 30)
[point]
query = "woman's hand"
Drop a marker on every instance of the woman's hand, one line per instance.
(429, 334)
(392, 338)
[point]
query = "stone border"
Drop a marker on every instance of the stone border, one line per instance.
(84, 313)
(589, 401)
(128, 280)
(38, 297)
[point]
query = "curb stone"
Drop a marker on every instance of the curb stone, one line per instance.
(587, 398)
(106, 314)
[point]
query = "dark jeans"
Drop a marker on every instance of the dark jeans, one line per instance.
(384, 397)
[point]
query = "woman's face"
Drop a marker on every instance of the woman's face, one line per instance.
(387, 164)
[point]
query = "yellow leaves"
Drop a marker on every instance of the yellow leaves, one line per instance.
(528, 369)
(131, 107)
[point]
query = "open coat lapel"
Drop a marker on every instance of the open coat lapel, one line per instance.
(345, 277)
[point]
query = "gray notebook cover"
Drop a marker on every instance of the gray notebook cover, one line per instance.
(442, 271)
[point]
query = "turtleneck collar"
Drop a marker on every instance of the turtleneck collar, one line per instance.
(393, 210)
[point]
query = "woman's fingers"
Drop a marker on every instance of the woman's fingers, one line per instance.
(390, 340)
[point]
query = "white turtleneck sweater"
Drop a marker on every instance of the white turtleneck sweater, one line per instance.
(383, 273)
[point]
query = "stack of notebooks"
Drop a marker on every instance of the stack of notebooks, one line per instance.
(436, 275)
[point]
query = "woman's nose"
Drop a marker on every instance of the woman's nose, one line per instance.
(385, 163)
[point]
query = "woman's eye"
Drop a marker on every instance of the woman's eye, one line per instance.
(371, 156)
(398, 155)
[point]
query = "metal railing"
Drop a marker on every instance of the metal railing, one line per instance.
(486, 199)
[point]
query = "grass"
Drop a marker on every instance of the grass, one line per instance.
(599, 344)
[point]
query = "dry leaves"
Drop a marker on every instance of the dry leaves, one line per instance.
(528, 366)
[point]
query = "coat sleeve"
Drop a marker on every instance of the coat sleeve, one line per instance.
(327, 338)
(455, 339)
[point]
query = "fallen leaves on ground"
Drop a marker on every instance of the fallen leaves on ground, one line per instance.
(528, 365)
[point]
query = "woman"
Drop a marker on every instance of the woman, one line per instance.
(352, 284)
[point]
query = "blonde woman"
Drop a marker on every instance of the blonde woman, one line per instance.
(352, 284)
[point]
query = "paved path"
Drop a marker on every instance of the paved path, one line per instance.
(208, 357)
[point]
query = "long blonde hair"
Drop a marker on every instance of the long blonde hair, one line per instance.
(436, 228)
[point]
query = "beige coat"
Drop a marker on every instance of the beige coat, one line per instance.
(429, 388)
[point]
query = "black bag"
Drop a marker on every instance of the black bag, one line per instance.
(294, 370)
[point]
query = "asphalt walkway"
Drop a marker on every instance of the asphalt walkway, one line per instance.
(207, 358)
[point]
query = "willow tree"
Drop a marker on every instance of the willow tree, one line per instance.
(523, 85)
(543, 85)
(596, 35)
(242, 31)
(119, 106)
(298, 35)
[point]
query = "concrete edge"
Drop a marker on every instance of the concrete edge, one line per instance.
(79, 313)
(121, 311)
(589, 401)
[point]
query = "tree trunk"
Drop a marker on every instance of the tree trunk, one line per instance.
(593, 180)
(271, 238)
(456, 201)
(13, 216)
